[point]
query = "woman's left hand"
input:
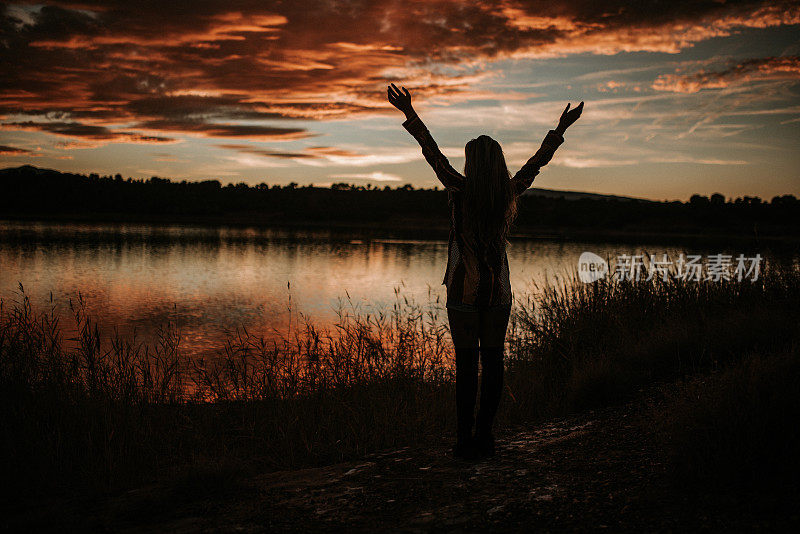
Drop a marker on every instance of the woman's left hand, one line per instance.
(568, 118)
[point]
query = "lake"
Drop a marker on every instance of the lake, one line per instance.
(213, 280)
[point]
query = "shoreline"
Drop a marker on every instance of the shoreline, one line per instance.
(418, 229)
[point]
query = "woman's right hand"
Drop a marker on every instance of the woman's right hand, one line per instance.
(568, 118)
(401, 100)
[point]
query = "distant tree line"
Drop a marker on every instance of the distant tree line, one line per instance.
(31, 192)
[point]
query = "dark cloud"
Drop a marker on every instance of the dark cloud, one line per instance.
(247, 149)
(74, 129)
(14, 151)
(313, 152)
(225, 130)
(86, 131)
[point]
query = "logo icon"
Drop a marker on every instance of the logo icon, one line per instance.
(591, 267)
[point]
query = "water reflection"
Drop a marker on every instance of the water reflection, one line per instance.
(213, 280)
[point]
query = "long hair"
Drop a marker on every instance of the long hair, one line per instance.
(489, 200)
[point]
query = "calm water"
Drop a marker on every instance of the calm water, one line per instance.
(213, 280)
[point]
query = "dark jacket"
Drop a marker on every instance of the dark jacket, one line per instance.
(474, 275)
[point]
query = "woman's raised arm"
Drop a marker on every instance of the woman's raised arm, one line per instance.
(450, 178)
(524, 177)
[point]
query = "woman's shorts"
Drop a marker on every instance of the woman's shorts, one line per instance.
(471, 324)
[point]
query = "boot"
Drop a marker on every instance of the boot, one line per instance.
(491, 389)
(466, 390)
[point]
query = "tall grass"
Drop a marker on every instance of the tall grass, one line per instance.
(578, 346)
(99, 413)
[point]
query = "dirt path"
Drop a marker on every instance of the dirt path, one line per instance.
(596, 471)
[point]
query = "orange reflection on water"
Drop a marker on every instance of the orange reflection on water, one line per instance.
(213, 281)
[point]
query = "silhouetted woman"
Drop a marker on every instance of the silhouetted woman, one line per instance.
(483, 204)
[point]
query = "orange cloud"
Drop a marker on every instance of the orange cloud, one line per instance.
(333, 151)
(163, 67)
(758, 69)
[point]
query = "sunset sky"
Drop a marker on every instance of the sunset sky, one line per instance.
(681, 97)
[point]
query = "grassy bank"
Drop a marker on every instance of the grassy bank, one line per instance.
(735, 428)
(97, 414)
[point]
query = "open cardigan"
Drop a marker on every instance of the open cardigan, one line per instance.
(475, 275)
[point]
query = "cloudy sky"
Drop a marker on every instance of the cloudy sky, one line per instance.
(681, 97)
